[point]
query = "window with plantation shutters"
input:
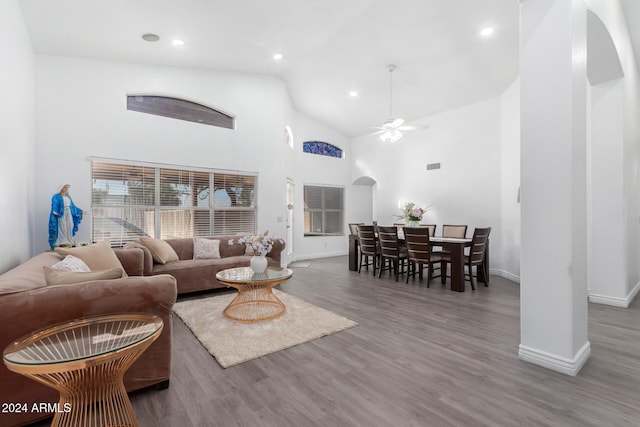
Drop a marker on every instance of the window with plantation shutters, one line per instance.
(323, 210)
(234, 202)
(122, 202)
(184, 203)
(132, 200)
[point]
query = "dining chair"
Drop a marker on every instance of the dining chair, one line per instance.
(479, 243)
(452, 231)
(353, 228)
(431, 227)
(475, 257)
(391, 250)
(368, 247)
(419, 253)
(455, 231)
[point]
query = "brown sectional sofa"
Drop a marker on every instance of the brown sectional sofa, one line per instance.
(200, 274)
(27, 304)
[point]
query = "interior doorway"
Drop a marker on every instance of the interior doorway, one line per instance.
(289, 216)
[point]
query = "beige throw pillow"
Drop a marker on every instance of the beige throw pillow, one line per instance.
(161, 251)
(206, 248)
(98, 256)
(61, 277)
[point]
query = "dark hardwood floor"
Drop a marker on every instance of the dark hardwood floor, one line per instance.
(420, 357)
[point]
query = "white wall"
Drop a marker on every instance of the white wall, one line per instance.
(608, 264)
(467, 188)
(612, 15)
(16, 137)
(321, 170)
(81, 111)
(510, 184)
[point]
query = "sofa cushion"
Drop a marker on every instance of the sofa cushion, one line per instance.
(71, 263)
(230, 246)
(199, 274)
(183, 246)
(27, 275)
(206, 248)
(98, 256)
(161, 251)
(132, 259)
(53, 276)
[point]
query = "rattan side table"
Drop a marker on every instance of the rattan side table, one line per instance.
(85, 360)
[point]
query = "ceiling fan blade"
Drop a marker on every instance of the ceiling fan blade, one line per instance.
(394, 123)
(414, 127)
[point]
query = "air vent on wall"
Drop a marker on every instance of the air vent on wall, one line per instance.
(432, 166)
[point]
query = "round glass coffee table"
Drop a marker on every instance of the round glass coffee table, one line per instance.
(85, 360)
(255, 300)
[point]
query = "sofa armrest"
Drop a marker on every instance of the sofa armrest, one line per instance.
(276, 251)
(132, 259)
(147, 262)
(22, 313)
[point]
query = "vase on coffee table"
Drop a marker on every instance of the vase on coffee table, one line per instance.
(258, 264)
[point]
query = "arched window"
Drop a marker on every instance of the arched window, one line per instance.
(180, 109)
(321, 148)
(288, 136)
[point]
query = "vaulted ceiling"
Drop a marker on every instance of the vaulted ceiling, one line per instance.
(329, 47)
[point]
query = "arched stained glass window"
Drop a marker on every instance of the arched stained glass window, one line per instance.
(321, 148)
(180, 109)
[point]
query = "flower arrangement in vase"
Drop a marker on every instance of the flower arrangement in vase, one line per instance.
(260, 246)
(412, 214)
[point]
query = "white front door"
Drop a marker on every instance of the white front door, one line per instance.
(289, 225)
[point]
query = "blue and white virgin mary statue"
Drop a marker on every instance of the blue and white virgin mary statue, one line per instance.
(64, 218)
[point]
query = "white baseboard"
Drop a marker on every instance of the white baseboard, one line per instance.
(505, 274)
(615, 301)
(554, 362)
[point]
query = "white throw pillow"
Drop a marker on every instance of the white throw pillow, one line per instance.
(71, 263)
(206, 248)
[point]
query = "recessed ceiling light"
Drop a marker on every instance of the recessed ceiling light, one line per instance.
(177, 42)
(278, 56)
(149, 37)
(486, 31)
(353, 93)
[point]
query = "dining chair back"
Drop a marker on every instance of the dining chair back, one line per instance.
(353, 228)
(431, 227)
(398, 225)
(419, 252)
(477, 251)
(455, 231)
(368, 247)
(390, 250)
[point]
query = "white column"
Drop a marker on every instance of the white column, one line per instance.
(553, 181)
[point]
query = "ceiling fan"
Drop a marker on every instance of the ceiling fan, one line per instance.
(392, 128)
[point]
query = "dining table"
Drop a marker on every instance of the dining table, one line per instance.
(455, 246)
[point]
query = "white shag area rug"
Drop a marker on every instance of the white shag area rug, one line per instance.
(232, 342)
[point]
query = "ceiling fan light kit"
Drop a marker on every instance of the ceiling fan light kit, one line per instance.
(391, 135)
